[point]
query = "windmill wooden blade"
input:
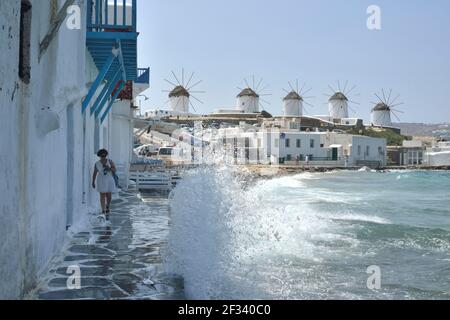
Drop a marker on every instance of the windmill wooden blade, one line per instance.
(262, 90)
(395, 115)
(259, 84)
(303, 93)
(301, 90)
(332, 90)
(176, 78)
(290, 85)
(396, 105)
(197, 99)
(389, 97)
(192, 105)
(381, 100)
(265, 101)
(393, 101)
(190, 79)
(170, 82)
(384, 96)
(353, 88)
(194, 85)
(345, 87)
(309, 104)
(182, 77)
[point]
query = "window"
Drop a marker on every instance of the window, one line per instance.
(322, 145)
(25, 42)
(288, 143)
(359, 150)
(311, 143)
(289, 157)
(367, 150)
(299, 143)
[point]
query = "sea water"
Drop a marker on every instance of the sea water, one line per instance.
(312, 236)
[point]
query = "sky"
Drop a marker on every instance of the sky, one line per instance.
(319, 42)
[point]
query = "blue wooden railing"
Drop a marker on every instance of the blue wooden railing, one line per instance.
(111, 15)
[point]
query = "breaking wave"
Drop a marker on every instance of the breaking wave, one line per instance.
(284, 238)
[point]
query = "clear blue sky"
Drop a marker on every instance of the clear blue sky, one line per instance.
(317, 41)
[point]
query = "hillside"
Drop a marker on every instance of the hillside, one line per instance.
(421, 129)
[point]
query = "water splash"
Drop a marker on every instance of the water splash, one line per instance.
(296, 237)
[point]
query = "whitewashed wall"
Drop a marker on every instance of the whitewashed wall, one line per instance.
(247, 104)
(122, 136)
(338, 109)
(381, 118)
(374, 155)
(45, 183)
(179, 104)
(293, 107)
(11, 225)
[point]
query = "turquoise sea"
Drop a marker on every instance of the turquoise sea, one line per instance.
(312, 236)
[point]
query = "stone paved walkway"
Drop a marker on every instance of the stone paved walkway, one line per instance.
(119, 261)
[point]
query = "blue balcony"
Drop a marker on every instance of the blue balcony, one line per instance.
(112, 42)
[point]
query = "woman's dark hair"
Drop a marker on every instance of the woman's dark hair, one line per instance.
(102, 153)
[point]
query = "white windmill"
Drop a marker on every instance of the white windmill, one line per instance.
(250, 98)
(338, 102)
(179, 97)
(381, 113)
(294, 100)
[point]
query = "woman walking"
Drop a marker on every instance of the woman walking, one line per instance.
(104, 172)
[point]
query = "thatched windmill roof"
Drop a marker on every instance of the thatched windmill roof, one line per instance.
(381, 107)
(179, 91)
(338, 96)
(293, 96)
(248, 92)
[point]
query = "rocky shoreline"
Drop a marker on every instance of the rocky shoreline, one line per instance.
(277, 171)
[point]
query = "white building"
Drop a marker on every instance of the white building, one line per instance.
(412, 153)
(48, 145)
(289, 146)
(438, 155)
